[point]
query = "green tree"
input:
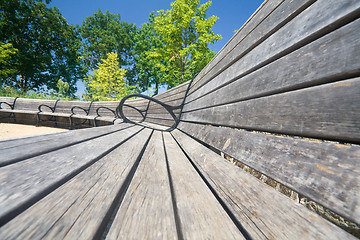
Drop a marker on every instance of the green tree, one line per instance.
(103, 33)
(7, 53)
(63, 88)
(48, 45)
(186, 33)
(147, 73)
(107, 82)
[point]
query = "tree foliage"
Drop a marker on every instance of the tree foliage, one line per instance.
(186, 33)
(47, 45)
(7, 53)
(107, 82)
(40, 51)
(147, 73)
(103, 33)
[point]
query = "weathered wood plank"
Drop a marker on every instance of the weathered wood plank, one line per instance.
(161, 110)
(318, 170)
(21, 185)
(312, 64)
(261, 210)
(329, 15)
(280, 15)
(172, 94)
(20, 149)
(201, 215)
(329, 111)
(261, 14)
(146, 211)
(159, 121)
(173, 91)
(80, 208)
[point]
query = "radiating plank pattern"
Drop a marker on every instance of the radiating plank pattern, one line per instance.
(143, 178)
(282, 97)
(313, 168)
(277, 94)
(263, 212)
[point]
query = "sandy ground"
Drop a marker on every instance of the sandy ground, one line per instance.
(8, 130)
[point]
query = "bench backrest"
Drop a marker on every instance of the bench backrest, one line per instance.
(289, 74)
(103, 108)
(6, 102)
(66, 106)
(31, 104)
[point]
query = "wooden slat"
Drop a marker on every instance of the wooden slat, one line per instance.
(172, 94)
(312, 64)
(261, 210)
(249, 38)
(20, 149)
(329, 15)
(31, 105)
(79, 208)
(154, 126)
(318, 170)
(159, 121)
(327, 111)
(160, 115)
(146, 211)
(161, 110)
(201, 215)
(262, 14)
(21, 185)
(175, 90)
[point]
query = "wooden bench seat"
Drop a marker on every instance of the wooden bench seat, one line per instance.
(140, 177)
(269, 125)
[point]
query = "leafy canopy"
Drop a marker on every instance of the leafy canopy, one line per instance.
(147, 73)
(103, 33)
(186, 33)
(47, 45)
(107, 82)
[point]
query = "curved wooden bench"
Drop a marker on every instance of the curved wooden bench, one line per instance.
(280, 100)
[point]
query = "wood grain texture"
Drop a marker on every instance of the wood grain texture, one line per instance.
(259, 16)
(21, 185)
(262, 211)
(159, 115)
(173, 91)
(310, 65)
(280, 15)
(300, 31)
(21, 149)
(327, 111)
(159, 121)
(77, 209)
(328, 173)
(201, 215)
(146, 211)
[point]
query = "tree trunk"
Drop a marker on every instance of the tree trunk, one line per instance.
(156, 88)
(22, 84)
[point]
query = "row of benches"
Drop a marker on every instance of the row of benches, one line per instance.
(65, 114)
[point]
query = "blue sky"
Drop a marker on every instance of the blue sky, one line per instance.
(232, 14)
